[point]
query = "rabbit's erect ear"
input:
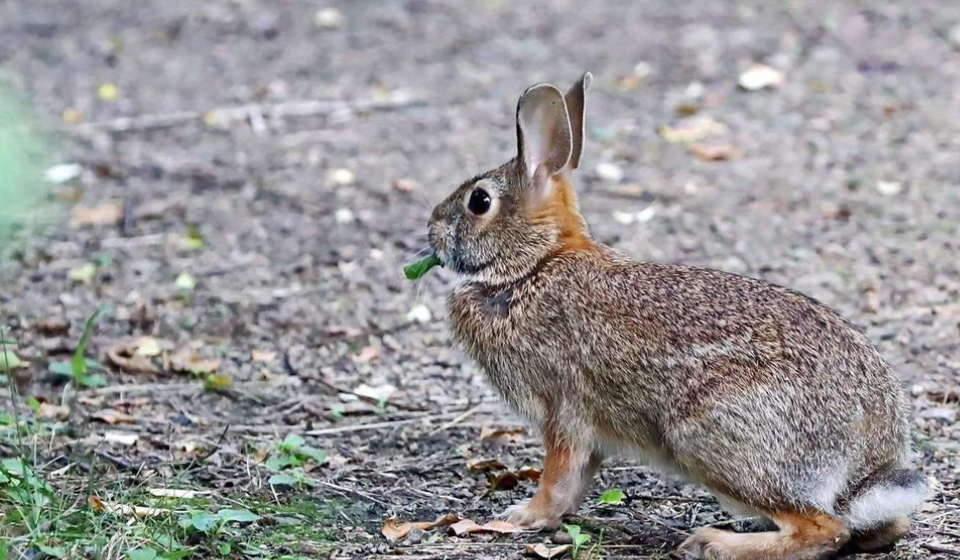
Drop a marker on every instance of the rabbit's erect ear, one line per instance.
(576, 101)
(543, 133)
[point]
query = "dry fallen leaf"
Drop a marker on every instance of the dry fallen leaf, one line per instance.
(692, 129)
(714, 152)
(483, 465)
(263, 356)
(105, 213)
(148, 346)
(467, 526)
(122, 438)
(501, 435)
(51, 327)
(190, 361)
(125, 355)
(111, 416)
(96, 504)
(394, 531)
(53, 411)
(503, 481)
(529, 473)
(380, 393)
(543, 551)
(368, 354)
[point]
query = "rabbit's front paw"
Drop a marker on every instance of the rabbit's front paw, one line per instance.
(528, 516)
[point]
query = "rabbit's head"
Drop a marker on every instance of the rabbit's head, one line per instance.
(497, 227)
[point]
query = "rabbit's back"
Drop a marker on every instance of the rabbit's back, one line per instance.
(700, 369)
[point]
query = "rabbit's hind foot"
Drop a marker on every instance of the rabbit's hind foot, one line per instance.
(801, 536)
(881, 538)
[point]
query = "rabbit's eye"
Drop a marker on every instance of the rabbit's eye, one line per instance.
(479, 202)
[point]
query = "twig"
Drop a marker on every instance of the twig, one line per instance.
(457, 420)
(375, 425)
(228, 115)
(335, 389)
(178, 387)
(352, 491)
(940, 549)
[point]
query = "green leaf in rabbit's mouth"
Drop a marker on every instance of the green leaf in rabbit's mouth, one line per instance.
(419, 267)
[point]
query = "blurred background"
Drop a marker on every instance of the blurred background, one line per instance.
(231, 176)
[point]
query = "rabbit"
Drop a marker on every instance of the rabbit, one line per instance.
(766, 397)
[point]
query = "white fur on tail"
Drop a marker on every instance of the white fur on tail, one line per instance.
(883, 503)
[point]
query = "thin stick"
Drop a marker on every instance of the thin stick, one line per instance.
(227, 115)
(376, 425)
(457, 420)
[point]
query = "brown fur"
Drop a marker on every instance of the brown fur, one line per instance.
(882, 537)
(800, 536)
(561, 211)
(768, 398)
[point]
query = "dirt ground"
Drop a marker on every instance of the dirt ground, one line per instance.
(284, 156)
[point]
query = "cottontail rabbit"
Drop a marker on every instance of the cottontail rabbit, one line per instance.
(766, 397)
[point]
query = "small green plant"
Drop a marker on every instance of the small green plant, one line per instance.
(578, 538)
(598, 546)
(218, 526)
(287, 460)
(193, 240)
(612, 497)
(79, 367)
(381, 407)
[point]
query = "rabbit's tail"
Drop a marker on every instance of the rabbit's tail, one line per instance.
(893, 495)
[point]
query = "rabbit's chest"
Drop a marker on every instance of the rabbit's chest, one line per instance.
(499, 329)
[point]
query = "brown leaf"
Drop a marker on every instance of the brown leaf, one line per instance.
(368, 354)
(714, 152)
(484, 465)
(264, 356)
(190, 361)
(467, 526)
(543, 551)
(105, 213)
(503, 481)
(125, 355)
(111, 416)
(529, 473)
(53, 411)
(394, 531)
(692, 129)
(51, 327)
(501, 435)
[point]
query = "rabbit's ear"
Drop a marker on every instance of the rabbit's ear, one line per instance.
(543, 133)
(576, 101)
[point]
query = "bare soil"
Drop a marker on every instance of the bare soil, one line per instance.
(307, 157)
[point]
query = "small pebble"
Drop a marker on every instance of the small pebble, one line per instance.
(344, 216)
(329, 18)
(414, 536)
(419, 314)
(889, 188)
(609, 172)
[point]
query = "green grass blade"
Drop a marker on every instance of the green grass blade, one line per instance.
(79, 363)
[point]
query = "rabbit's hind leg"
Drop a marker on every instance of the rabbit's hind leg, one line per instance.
(801, 535)
(882, 537)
